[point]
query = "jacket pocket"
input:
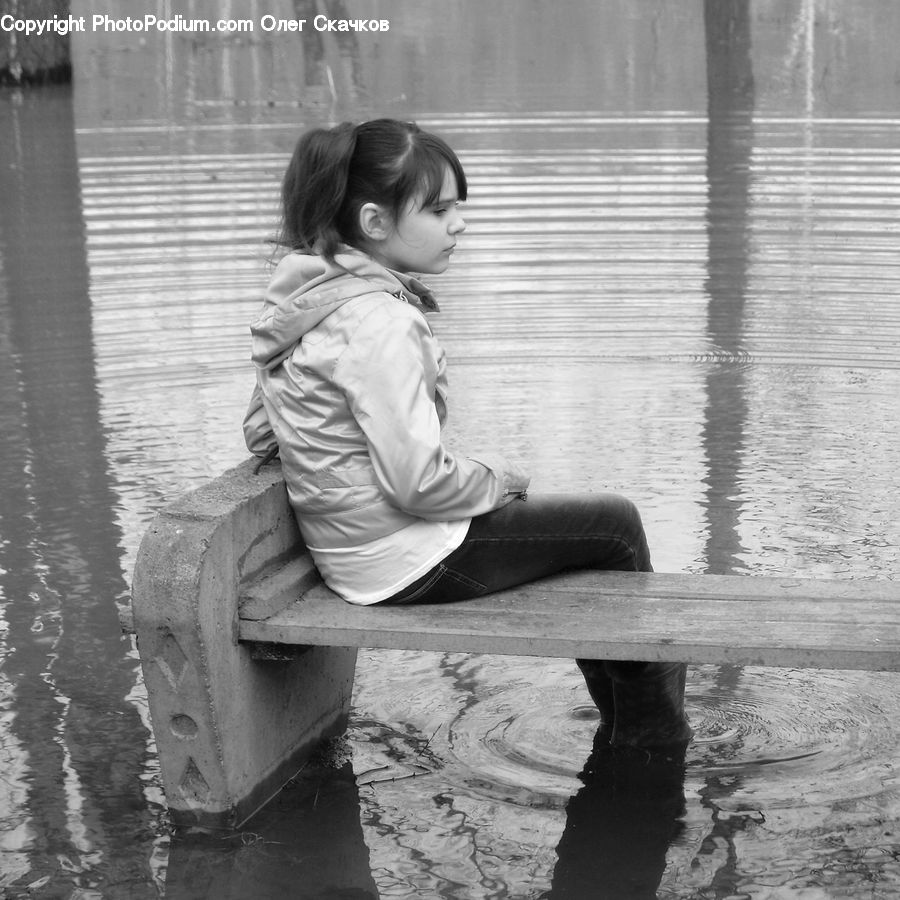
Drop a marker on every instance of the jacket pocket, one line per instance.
(340, 490)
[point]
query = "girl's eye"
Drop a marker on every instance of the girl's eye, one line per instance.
(444, 208)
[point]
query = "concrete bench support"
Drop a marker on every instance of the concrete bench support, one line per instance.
(230, 730)
(223, 587)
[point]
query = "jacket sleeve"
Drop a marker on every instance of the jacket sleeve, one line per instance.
(258, 434)
(389, 375)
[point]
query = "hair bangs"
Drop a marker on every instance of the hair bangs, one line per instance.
(425, 168)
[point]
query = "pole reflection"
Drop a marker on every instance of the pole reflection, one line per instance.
(729, 153)
(730, 107)
(65, 663)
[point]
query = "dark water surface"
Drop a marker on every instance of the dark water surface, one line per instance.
(679, 281)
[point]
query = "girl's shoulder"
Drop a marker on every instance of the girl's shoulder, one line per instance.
(381, 303)
(374, 319)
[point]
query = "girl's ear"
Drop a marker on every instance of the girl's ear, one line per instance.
(374, 223)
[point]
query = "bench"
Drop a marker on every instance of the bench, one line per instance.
(248, 659)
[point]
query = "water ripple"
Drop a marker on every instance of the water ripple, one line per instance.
(780, 734)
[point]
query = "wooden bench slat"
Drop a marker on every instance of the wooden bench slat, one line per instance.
(699, 619)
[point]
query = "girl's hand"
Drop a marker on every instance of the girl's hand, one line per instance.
(515, 482)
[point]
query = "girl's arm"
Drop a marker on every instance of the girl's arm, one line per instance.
(389, 375)
(258, 432)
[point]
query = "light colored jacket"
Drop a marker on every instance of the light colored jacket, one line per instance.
(351, 384)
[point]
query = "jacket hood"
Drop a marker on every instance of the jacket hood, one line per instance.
(306, 289)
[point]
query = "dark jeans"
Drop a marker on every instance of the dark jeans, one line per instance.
(530, 538)
(641, 703)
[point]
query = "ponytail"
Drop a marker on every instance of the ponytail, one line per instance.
(314, 189)
(334, 172)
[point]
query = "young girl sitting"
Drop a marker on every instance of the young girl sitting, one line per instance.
(352, 395)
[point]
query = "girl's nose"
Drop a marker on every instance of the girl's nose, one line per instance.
(458, 225)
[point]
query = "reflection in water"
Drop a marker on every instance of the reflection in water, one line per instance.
(70, 735)
(620, 825)
(728, 156)
(730, 104)
(308, 843)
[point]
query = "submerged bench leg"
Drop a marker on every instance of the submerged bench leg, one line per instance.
(229, 730)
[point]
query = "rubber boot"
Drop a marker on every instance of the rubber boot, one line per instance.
(649, 705)
(600, 687)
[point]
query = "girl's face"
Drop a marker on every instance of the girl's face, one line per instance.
(422, 238)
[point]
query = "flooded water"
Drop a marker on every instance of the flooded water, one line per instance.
(679, 281)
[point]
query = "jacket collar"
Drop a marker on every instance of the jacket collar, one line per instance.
(305, 289)
(402, 286)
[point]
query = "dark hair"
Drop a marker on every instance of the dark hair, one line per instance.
(335, 171)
